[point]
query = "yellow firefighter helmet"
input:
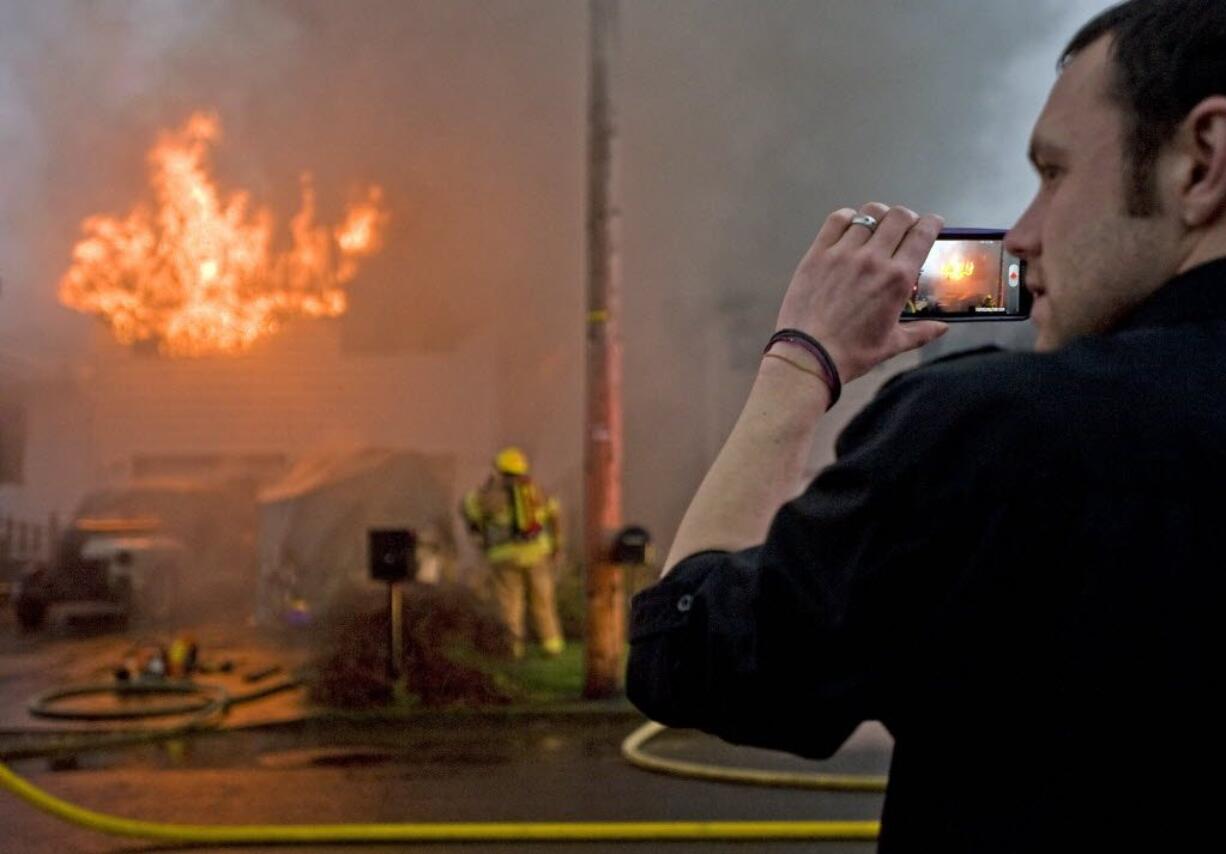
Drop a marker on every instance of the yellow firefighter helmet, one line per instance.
(511, 461)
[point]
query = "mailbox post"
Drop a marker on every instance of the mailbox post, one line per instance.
(393, 559)
(630, 551)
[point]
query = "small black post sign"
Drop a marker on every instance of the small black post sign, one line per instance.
(630, 545)
(393, 554)
(393, 559)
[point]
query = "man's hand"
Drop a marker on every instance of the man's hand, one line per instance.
(847, 293)
(852, 284)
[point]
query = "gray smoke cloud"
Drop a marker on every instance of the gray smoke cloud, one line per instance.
(747, 125)
(742, 124)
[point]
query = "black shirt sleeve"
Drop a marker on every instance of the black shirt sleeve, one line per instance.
(793, 643)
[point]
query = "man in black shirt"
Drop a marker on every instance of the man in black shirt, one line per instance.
(1049, 658)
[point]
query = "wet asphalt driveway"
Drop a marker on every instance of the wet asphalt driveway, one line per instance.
(432, 769)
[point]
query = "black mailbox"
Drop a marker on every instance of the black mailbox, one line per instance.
(630, 545)
(393, 554)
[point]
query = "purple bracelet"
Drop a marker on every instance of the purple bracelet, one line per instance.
(808, 342)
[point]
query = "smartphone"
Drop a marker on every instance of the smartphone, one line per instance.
(969, 275)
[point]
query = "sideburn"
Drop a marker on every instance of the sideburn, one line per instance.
(1140, 181)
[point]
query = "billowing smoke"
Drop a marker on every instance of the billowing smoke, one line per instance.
(747, 123)
(742, 125)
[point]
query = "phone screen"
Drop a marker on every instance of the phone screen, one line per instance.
(968, 275)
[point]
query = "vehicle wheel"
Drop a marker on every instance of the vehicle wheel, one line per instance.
(30, 613)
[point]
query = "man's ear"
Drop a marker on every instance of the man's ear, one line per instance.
(1203, 182)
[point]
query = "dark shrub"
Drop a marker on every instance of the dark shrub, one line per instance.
(450, 638)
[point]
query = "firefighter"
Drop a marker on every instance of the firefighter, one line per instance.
(519, 531)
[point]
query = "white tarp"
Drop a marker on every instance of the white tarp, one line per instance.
(314, 522)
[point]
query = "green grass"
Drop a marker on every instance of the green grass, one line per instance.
(535, 679)
(546, 680)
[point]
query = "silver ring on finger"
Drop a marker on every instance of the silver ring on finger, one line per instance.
(869, 222)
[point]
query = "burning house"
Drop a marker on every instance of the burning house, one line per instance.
(461, 328)
(217, 366)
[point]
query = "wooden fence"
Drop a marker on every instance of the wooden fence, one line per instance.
(23, 543)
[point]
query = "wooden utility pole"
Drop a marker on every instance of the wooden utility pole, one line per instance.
(603, 434)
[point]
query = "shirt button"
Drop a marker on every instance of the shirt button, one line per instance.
(685, 603)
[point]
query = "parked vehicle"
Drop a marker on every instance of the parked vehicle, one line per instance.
(121, 567)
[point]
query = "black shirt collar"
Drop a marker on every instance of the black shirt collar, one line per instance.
(1198, 294)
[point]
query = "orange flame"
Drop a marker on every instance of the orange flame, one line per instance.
(956, 269)
(196, 273)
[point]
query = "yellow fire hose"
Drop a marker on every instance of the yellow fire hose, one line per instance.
(633, 753)
(674, 831)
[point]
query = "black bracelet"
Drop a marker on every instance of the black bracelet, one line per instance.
(808, 342)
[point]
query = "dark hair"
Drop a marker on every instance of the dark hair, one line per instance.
(1169, 56)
